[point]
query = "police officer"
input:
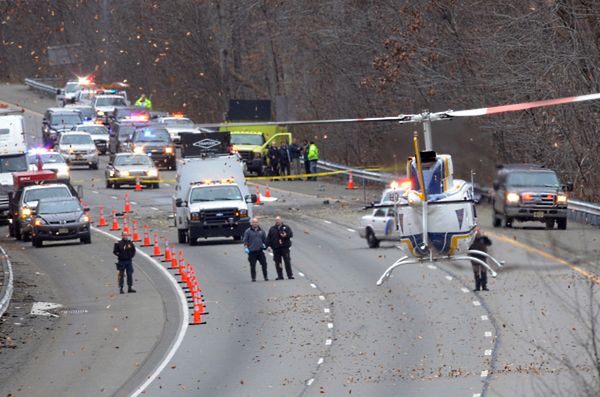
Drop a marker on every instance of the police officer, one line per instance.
(255, 241)
(480, 243)
(279, 241)
(124, 249)
(313, 158)
(144, 102)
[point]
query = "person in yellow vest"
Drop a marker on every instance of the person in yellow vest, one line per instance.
(144, 102)
(313, 158)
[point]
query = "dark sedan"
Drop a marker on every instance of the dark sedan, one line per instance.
(59, 219)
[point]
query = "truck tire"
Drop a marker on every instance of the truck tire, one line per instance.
(237, 238)
(496, 221)
(549, 224)
(192, 241)
(371, 240)
(562, 223)
(508, 222)
(181, 236)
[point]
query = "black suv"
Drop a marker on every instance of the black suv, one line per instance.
(120, 135)
(155, 141)
(58, 120)
(529, 192)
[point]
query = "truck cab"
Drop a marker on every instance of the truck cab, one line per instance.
(13, 152)
(253, 147)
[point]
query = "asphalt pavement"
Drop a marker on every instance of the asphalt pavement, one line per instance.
(330, 331)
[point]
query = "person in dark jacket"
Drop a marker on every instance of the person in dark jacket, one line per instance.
(273, 154)
(305, 157)
(255, 241)
(279, 241)
(124, 249)
(480, 243)
(284, 159)
(295, 154)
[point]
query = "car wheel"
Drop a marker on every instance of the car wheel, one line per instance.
(37, 242)
(508, 222)
(192, 241)
(94, 166)
(108, 184)
(237, 238)
(371, 240)
(562, 224)
(156, 186)
(86, 240)
(549, 223)
(116, 185)
(182, 236)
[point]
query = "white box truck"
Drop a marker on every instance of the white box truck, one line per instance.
(13, 153)
(211, 197)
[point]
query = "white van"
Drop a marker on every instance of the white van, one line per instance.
(13, 156)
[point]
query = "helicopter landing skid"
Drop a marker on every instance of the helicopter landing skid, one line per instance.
(405, 261)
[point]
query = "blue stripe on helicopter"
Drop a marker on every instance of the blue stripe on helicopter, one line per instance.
(440, 241)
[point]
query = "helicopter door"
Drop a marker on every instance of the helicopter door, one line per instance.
(379, 220)
(390, 228)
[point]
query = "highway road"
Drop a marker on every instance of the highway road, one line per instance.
(330, 331)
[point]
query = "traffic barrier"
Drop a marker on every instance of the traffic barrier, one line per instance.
(257, 196)
(267, 191)
(138, 186)
(350, 184)
(156, 252)
(167, 257)
(125, 225)
(102, 221)
(127, 206)
(146, 242)
(136, 236)
(115, 224)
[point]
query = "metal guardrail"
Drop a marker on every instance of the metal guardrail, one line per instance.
(38, 85)
(6, 289)
(372, 176)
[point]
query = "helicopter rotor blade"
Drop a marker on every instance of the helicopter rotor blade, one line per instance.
(514, 107)
(403, 118)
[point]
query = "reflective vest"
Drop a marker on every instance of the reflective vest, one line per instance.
(313, 152)
(144, 104)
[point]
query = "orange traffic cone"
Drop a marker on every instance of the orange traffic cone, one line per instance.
(156, 251)
(197, 320)
(127, 206)
(102, 220)
(167, 257)
(257, 195)
(115, 224)
(268, 192)
(174, 260)
(350, 184)
(138, 187)
(199, 306)
(125, 225)
(136, 236)
(146, 242)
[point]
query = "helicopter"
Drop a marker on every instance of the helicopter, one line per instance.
(435, 217)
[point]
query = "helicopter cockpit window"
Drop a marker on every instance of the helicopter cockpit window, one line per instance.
(380, 212)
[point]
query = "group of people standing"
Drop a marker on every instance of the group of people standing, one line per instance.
(277, 240)
(285, 160)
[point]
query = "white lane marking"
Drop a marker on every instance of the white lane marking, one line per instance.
(476, 394)
(476, 303)
(133, 203)
(327, 342)
(184, 319)
(484, 373)
(321, 297)
(310, 381)
(488, 352)
(488, 334)
(95, 191)
(463, 289)
(301, 274)
(114, 197)
(313, 285)
(350, 230)
(449, 278)
(167, 184)
(154, 208)
(432, 267)
(41, 308)
(326, 310)
(320, 361)
(484, 318)
(326, 221)
(330, 325)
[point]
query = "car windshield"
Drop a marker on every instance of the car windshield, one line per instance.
(178, 122)
(47, 158)
(541, 179)
(70, 118)
(13, 163)
(58, 207)
(47, 192)
(247, 139)
(94, 129)
(87, 112)
(111, 101)
(76, 139)
(133, 160)
(215, 193)
(125, 133)
(71, 87)
(152, 135)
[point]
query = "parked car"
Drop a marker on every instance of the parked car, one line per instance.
(59, 218)
(128, 168)
(78, 149)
